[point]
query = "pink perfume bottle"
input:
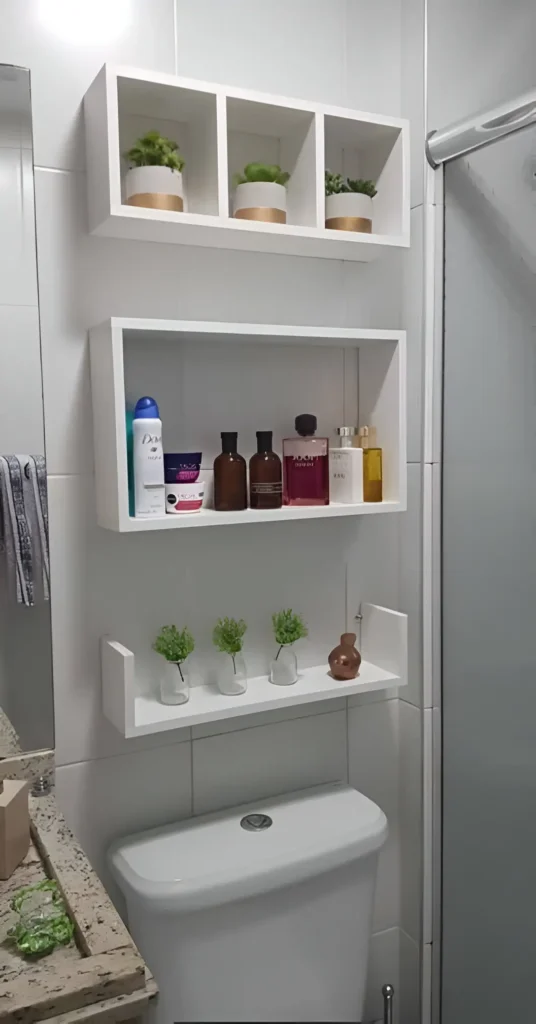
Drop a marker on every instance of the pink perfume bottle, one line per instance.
(305, 465)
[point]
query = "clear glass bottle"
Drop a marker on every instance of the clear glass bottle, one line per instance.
(372, 465)
(305, 465)
(175, 682)
(232, 674)
(265, 489)
(230, 476)
(284, 667)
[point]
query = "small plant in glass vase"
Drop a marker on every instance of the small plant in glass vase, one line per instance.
(155, 176)
(228, 637)
(349, 203)
(175, 645)
(261, 194)
(288, 628)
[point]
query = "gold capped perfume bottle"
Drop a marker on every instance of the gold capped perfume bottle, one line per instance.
(372, 464)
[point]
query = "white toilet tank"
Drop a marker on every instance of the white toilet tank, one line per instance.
(260, 913)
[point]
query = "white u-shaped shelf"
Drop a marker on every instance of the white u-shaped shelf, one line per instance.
(133, 707)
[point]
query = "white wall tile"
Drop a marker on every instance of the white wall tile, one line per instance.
(373, 570)
(18, 268)
(320, 707)
(384, 969)
(410, 597)
(21, 406)
(373, 751)
(255, 763)
(409, 996)
(411, 817)
(373, 291)
(412, 321)
(116, 796)
(256, 46)
(373, 55)
(65, 45)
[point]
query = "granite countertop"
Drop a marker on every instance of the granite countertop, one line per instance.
(100, 976)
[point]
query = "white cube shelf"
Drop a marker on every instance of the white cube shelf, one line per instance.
(209, 376)
(219, 130)
(133, 707)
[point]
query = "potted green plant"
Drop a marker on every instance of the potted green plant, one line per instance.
(261, 194)
(175, 645)
(228, 638)
(349, 203)
(155, 175)
(288, 628)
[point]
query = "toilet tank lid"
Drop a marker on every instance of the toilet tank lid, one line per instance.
(214, 859)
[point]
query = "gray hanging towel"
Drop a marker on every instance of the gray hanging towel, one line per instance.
(24, 526)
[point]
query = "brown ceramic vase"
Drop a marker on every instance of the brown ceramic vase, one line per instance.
(344, 660)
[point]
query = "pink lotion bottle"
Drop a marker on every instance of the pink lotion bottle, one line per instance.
(306, 465)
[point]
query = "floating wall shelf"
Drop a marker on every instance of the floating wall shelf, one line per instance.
(209, 376)
(219, 130)
(133, 707)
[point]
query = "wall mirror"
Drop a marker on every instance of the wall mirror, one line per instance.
(26, 696)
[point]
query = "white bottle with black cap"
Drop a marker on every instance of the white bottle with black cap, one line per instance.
(149, 488)
(346, 469)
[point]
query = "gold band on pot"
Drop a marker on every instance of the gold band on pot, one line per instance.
(157, 201)
(350, 224)
(265, 213)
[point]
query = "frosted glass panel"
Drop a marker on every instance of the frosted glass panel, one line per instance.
(489, 585)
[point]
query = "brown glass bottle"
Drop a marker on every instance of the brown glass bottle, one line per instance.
(230, 476)
(265, 488)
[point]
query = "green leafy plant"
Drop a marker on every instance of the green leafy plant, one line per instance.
(335, 184)
(174, 645)
(155, 150)
(288, 627)
(366, 187)
(261, 172)
(228, 636)
(43, 920)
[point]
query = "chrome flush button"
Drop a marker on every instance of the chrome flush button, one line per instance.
(256, 822)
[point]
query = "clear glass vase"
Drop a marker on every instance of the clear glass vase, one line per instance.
(232, 674)
(284, 667)
(175, 683)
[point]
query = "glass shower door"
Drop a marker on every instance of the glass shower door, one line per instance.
(489, 586)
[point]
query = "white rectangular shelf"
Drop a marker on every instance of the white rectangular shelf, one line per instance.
(134, 709)
(360, 376)
(208, 517)
(219, 130)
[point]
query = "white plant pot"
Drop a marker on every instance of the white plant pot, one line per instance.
(261, 200)
(159, 188)
(349, 211)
